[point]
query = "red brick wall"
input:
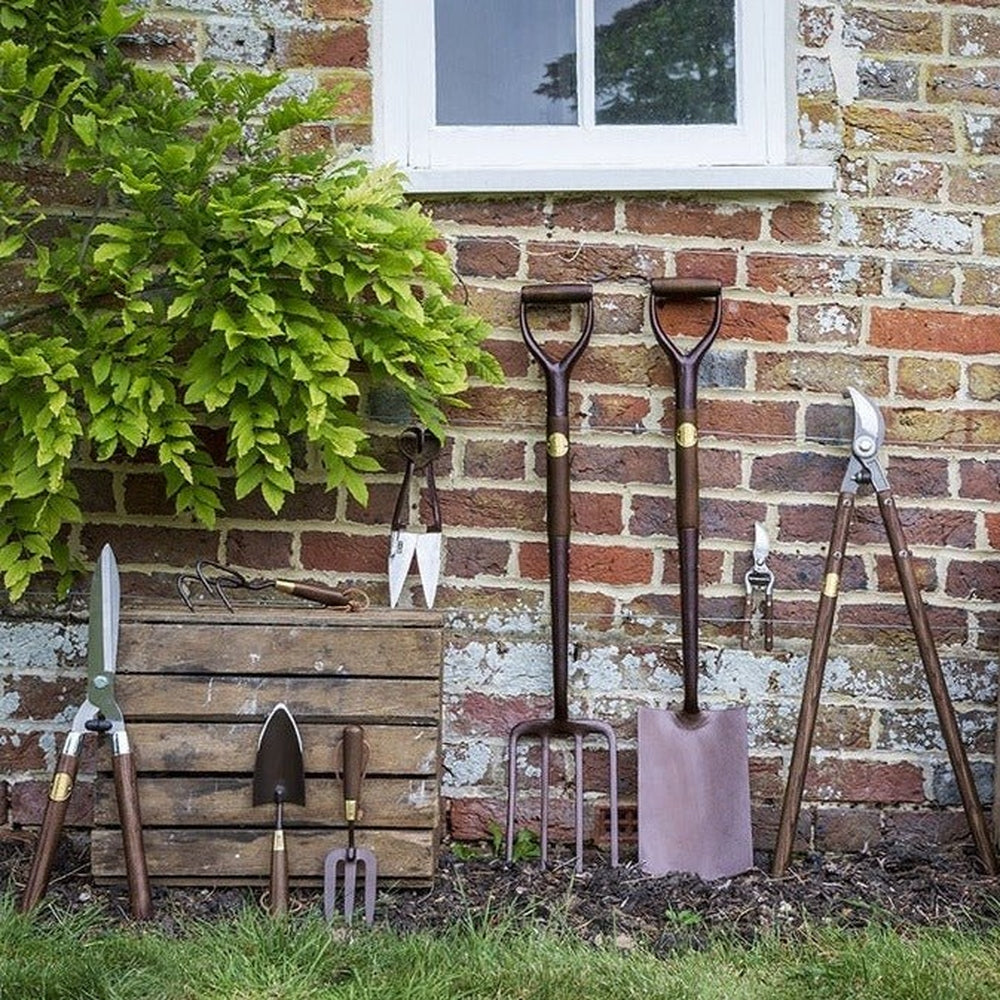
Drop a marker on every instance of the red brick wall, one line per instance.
(889, 283)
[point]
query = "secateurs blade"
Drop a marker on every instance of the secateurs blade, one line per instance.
(419, 448)
(99, 714)
(759, 584)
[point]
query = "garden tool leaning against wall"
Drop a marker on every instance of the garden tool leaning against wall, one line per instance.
(557, 371)
(863, 467)
(98, 714)
(694, 770)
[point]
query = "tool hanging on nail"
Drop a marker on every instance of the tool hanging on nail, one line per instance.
(759, 584)
(419, 449)
(99, 714)
(217, 579)
(863, 468)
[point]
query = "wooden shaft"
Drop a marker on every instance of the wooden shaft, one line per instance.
(313, 592)
(792, 802)
(127, 791)
(52, 822)
(279, 864)
(935, 678)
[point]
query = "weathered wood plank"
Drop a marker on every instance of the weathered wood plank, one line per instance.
(223, 855)
(248, 649)
(215, 801)
(148, 696)
(230, 747)
(280, 615)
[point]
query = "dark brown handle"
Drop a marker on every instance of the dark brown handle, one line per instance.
(935, 679)
(127, 791)
(354, 765)
(278, 900)
(313, 592)
(685, 288)
(792, 801)
(556, 294)
(52, 823)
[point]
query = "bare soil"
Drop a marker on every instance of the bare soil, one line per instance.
(904, 885)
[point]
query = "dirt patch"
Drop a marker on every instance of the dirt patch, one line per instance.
(903, 885)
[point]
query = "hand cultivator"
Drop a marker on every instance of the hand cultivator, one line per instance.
(557, 372)
(217, 580)
(863, 468)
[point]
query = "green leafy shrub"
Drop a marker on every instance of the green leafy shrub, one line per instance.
(218, 278)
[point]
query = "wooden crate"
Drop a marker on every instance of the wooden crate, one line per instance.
(195, 690)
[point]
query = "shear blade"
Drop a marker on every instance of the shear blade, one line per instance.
(761, 544)
(429, 564)
(402, 545)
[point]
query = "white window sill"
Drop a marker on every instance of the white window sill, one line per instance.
(785, 177)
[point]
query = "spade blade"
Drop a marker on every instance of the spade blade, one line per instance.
(278, 773)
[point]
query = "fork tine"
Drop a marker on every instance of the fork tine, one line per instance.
(371, 876)
(350, 887)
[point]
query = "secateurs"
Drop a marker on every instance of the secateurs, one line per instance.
(217, 579)
(419, 448)
(759, 584)
(99, 714)
(863, 468)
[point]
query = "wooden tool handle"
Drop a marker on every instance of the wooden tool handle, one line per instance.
(354, 766)
(313, 592)
(127, 790)
(52, 823)
(279, 865)
(685, 288)
(556, 294)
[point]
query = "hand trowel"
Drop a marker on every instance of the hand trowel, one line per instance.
(278, 777)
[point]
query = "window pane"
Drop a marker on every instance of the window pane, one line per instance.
(505, 62)
(665, 62)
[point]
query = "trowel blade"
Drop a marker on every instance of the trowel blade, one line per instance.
(278, 774)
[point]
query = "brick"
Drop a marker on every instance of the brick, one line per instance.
(685, 318)
(809, 274)
(729, 518)
(28, 798)
(884, 129)
(354, 97)
(625, 464)
(847, 829)
(984, 382)
(564, 261)
(830, 323)
(991, 234)
(469, 557)
(916, 730)
(820, 124)
(934, 330)
(920, 478)
(683, 218)
(149, 544)
(813, 75)
(259, 549)
(617, 410)
(710, 570)
(618, 314)
(801, 222)
(760, 321)
(888, 80)
(718, 264)
(146, 494)
(919, 229)
(590, 214)
(970, 580)
(920, 378)
(21, 752)
(654, 515)
(921, 279)
(496, 460)
(834, 780)
(925, 827)
(917, 180)
(978, 185)
(737, 418)
(982, 133)
(797, 472)
(336, 552)
(495, 213)
(818, 370)
(615, 565)
(887, 580)
(96, 490)
(979, 479)
(964, 84)
(338, 10)
(981, 285)
(237, 41)
(815, 25)
(893, 30)
(950, 427)
(974, 35)
(513, 510)
(161, 39)
(320, 45)
(890, 624)
(519, 407)
(488, 257)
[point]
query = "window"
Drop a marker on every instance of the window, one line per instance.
(578, 94)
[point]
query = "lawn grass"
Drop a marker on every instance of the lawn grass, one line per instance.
(251, 957)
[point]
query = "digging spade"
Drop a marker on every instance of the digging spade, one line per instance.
(278, 777)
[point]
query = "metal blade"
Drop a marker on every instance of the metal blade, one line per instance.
(278, 771)
(869, 427)
(402, 545)
(761, 544)
(102, 634)
(429, 564)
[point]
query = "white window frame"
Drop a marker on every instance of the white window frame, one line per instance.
(757, 153)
